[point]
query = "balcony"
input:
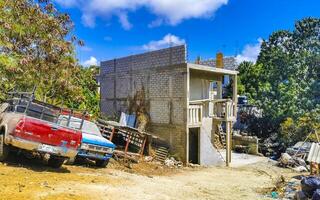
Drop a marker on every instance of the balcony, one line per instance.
(219, 109)
(195, 115)
(223, 110)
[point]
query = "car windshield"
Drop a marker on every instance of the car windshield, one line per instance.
(87, 127)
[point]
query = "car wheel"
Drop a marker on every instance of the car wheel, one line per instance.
(4, 149)
(55, 162)
(102, 163)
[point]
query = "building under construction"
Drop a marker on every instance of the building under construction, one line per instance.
(182, 102)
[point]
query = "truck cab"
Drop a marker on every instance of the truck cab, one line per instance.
(93, 145)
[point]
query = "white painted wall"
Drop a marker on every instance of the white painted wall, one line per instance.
(199, 88)
(208, 154)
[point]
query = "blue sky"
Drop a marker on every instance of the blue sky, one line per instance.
(116, 28)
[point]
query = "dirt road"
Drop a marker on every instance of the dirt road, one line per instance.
(25, 179)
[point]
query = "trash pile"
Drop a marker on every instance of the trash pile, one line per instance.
(295, 163)
(292, 187)
(310, 188)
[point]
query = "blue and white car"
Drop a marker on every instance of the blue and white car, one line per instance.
(93, 146)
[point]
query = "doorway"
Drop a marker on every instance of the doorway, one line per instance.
(194, 144)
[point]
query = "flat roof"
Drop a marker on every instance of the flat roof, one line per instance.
(211, 69)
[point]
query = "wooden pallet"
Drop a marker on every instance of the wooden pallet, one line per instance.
(161, 154)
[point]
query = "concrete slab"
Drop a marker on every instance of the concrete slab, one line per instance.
(242, 159)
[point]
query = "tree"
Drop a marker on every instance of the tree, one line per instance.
(86, 79)
(37, 49)
(285, 80)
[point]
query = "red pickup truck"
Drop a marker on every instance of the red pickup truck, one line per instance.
(31, 126)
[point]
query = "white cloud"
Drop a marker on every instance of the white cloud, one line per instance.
(250, 52)
(174, 12)
(170, 12)
(166, 41)
(90, 62)
(123, 19)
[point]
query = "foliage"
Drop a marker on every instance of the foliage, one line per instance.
(37, 49)
(293, 131)
(229, 88)
(86, 79)
(285, 80)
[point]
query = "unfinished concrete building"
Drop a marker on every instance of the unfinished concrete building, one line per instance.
(183, 101)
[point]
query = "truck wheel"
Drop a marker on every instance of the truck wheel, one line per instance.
(4, 149)
(55, 162)
(102, 163)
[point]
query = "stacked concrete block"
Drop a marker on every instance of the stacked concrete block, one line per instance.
(229, 63)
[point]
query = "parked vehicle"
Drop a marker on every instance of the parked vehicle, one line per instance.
(242, 100)
(31, 126)
(94, 146)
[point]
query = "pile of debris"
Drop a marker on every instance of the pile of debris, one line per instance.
(173, 163)
(293, 162)
(310, 188)
(162, 157)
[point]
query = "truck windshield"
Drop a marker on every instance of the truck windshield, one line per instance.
(87, 127)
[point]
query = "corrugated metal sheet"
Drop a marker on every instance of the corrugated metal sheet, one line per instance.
(314, 153)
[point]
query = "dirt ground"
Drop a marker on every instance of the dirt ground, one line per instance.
(21, 178)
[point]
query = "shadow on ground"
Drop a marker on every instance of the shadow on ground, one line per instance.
(35, 164)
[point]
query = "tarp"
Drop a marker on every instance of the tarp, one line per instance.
(314, 154)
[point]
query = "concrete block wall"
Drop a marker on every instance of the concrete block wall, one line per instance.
(163, 57)
(162, 76)
(229, 63)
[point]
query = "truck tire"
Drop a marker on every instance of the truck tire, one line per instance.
(102, 163)
(55, 162)
(4, 149)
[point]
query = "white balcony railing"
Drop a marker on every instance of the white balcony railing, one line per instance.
(220, 109)
(195, 115)
(223, 109)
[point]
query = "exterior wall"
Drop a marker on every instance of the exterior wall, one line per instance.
(156, 80)
(208, 154)
(199, 88)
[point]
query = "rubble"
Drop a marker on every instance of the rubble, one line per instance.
(171, 162)
(297, 164)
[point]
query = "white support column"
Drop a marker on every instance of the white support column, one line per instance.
(235, 95)
(187, 84)
(227, 144)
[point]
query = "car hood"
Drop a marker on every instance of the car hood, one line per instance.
(96, 140)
